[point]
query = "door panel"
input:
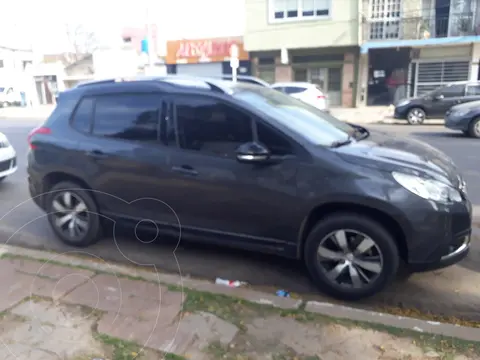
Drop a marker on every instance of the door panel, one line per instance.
(130, 166)
(227, 196)
(211, 190)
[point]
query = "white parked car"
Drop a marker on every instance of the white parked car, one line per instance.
(8, 158)
(310, 93)
(9, 96)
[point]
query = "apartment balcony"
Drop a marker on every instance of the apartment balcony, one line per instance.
(421, 27)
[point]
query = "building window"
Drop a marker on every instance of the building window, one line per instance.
(384, 19)
(281, 10)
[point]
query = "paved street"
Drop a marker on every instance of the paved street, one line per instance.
(455, 291)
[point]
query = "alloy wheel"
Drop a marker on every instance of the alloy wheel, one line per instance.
(349, 258)
(416, 116)
(71, 216)
(477, 129)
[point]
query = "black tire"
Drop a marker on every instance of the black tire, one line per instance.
(353, 222)
(93, 233)
(474, 128)
(416, 116)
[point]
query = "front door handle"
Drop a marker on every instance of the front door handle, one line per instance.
(185, 169)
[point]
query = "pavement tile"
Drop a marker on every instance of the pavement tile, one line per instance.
(127, 297)
(145, 332)
(188, 337)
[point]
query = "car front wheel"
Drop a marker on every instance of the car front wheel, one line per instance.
(416, 116)
(73, 215)
(474, 128)
(351, 257)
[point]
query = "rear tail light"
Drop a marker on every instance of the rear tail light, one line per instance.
(321, 97)
(40, 130)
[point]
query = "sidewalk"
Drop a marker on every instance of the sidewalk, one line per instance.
(41, 112)
(84, 311)
(364, 115)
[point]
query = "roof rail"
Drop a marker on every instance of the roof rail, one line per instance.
(96, 82)
(193, 81)
(172, 79)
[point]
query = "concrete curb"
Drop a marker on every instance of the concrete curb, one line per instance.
(327, 309)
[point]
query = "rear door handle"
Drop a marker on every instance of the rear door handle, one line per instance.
(96, 154)
(185, 169)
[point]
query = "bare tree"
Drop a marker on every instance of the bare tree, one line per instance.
(82, 41)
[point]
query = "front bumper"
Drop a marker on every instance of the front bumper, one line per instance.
(456, 123)
(8, 166)
(441, 235)
(400, 113)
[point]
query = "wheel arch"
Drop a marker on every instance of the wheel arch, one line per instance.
(390, 222)
(53, 178)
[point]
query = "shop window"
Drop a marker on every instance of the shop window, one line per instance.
(267, 74)
(298, 9)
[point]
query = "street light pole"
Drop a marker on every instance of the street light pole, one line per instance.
(150, 46)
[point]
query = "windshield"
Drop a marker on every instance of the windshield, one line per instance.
(315, 125)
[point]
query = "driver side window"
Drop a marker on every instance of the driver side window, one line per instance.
(211, 126)
(9, 91)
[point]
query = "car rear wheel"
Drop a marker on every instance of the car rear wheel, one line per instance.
(416, 116)
(474, 128)
(73, 215)
(351, 257)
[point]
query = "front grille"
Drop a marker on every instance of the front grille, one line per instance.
(5, 165)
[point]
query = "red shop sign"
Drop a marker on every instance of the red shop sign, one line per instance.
(205, 48)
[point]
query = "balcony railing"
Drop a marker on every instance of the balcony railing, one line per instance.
(413, 28)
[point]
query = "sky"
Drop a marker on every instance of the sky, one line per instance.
(42, 24)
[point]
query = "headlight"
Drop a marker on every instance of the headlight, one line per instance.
(403, 102)
(461, 113)
(428, 189)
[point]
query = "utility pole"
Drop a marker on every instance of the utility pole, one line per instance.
(234, 62)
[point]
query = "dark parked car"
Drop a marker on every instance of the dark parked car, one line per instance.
(465, 117)
(245, 166)
(435, 104)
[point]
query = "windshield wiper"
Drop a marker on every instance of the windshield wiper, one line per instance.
(339, 143)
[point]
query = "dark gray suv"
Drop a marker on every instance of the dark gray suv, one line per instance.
(246, 166)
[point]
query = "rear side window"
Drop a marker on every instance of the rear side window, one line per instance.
(83, 115)
(129, 117)
(294, 90)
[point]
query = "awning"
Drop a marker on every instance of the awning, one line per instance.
(458, 40)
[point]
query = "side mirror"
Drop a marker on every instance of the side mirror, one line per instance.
(252, 153)
(439, 97)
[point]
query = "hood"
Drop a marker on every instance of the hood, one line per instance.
(466, 106)
(395, 153)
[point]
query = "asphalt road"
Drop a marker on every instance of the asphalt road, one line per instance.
(454, 291)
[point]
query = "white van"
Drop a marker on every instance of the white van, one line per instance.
(9, 96)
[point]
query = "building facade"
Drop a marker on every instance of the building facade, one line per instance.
(319, 40)
(205, 57)
(410, 47)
